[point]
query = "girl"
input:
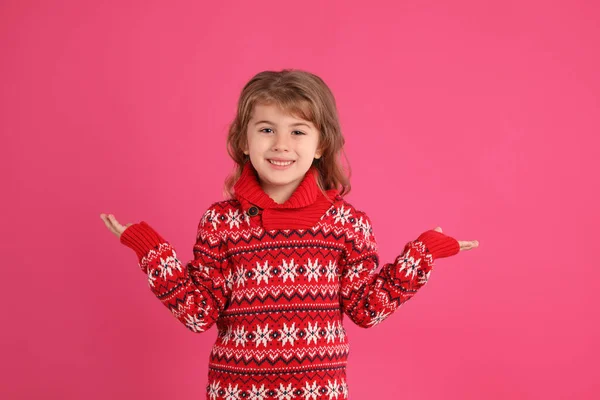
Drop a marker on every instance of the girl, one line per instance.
(279, 264)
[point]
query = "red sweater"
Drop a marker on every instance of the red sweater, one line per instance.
(278, 280)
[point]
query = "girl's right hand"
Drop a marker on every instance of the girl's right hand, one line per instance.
(113, 225)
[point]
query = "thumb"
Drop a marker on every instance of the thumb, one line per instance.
(438, 229)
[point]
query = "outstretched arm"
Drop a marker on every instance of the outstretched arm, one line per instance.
(368, 297)
(196, 292)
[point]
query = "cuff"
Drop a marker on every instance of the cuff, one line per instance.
(141, 238)
(438, 244)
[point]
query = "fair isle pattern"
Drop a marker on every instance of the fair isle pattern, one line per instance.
(279, 297)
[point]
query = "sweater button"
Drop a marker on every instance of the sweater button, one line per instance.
(253, 211)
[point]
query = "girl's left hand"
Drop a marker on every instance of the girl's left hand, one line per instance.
(464, 244)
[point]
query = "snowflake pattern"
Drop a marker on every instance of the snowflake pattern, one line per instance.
(262, 272)
(240, 276)
(312, 270)
(288, 334)
(234, 218)
(330, 332)
(262, 335)
(331, 271)
(213, 390)
(354, 271)
(380, 316)
(194, 323)
(240, 336)
(312, 332)
(211, 216)
(344, 389)
(258, 393)
(288, 270)
(167, 265)
(362, 226)
(232, 393)
(409, 264)
(311, 391)
(342, 216)
(333, 389)
(285, 392)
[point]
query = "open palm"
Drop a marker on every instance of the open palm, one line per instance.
(113, 225)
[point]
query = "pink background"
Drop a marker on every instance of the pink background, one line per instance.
(480, 118)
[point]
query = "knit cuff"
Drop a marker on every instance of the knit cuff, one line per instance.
(141, 238)
(439, 245)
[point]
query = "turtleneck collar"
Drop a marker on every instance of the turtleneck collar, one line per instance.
(301, 211)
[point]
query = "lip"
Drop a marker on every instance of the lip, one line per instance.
(279, 159)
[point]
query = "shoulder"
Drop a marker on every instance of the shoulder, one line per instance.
(355, 225)
(345, 212)
(354, 220)
(222, 207)
(219, 214)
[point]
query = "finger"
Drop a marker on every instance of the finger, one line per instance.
(468, 244)
(438, 229)
(109, 222)
(118, 227)
(114, 221)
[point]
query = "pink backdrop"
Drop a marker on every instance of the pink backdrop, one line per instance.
(480, 118)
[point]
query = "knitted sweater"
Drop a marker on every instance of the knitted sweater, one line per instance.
(278, 280)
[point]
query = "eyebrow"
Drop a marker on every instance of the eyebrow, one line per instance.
(272, 123)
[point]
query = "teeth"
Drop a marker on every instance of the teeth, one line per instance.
(280, 162)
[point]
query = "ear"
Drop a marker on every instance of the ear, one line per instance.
(318, 154)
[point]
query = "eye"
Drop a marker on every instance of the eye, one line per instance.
(299, 132)
(264, 129)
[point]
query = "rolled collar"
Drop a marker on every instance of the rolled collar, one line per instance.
(298, 211)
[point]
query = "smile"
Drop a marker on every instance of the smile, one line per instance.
(281, 163)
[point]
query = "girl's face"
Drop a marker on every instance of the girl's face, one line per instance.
(281, 149)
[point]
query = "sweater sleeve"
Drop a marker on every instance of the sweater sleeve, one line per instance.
(368, 297)
(196, 292)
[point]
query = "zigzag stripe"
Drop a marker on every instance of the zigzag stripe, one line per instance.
(270, 353)
(254, 233)
(322, 229)
(291, 317)
(275, 290)
(333, 296)
(271, 362)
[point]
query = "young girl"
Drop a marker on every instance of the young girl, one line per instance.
(278, 264)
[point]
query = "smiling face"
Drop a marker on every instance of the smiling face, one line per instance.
(281, 148)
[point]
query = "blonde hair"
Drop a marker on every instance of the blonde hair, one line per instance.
(305, 96)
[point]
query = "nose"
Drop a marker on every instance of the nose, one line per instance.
(281, 142)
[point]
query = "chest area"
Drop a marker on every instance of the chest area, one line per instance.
(285, 257)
